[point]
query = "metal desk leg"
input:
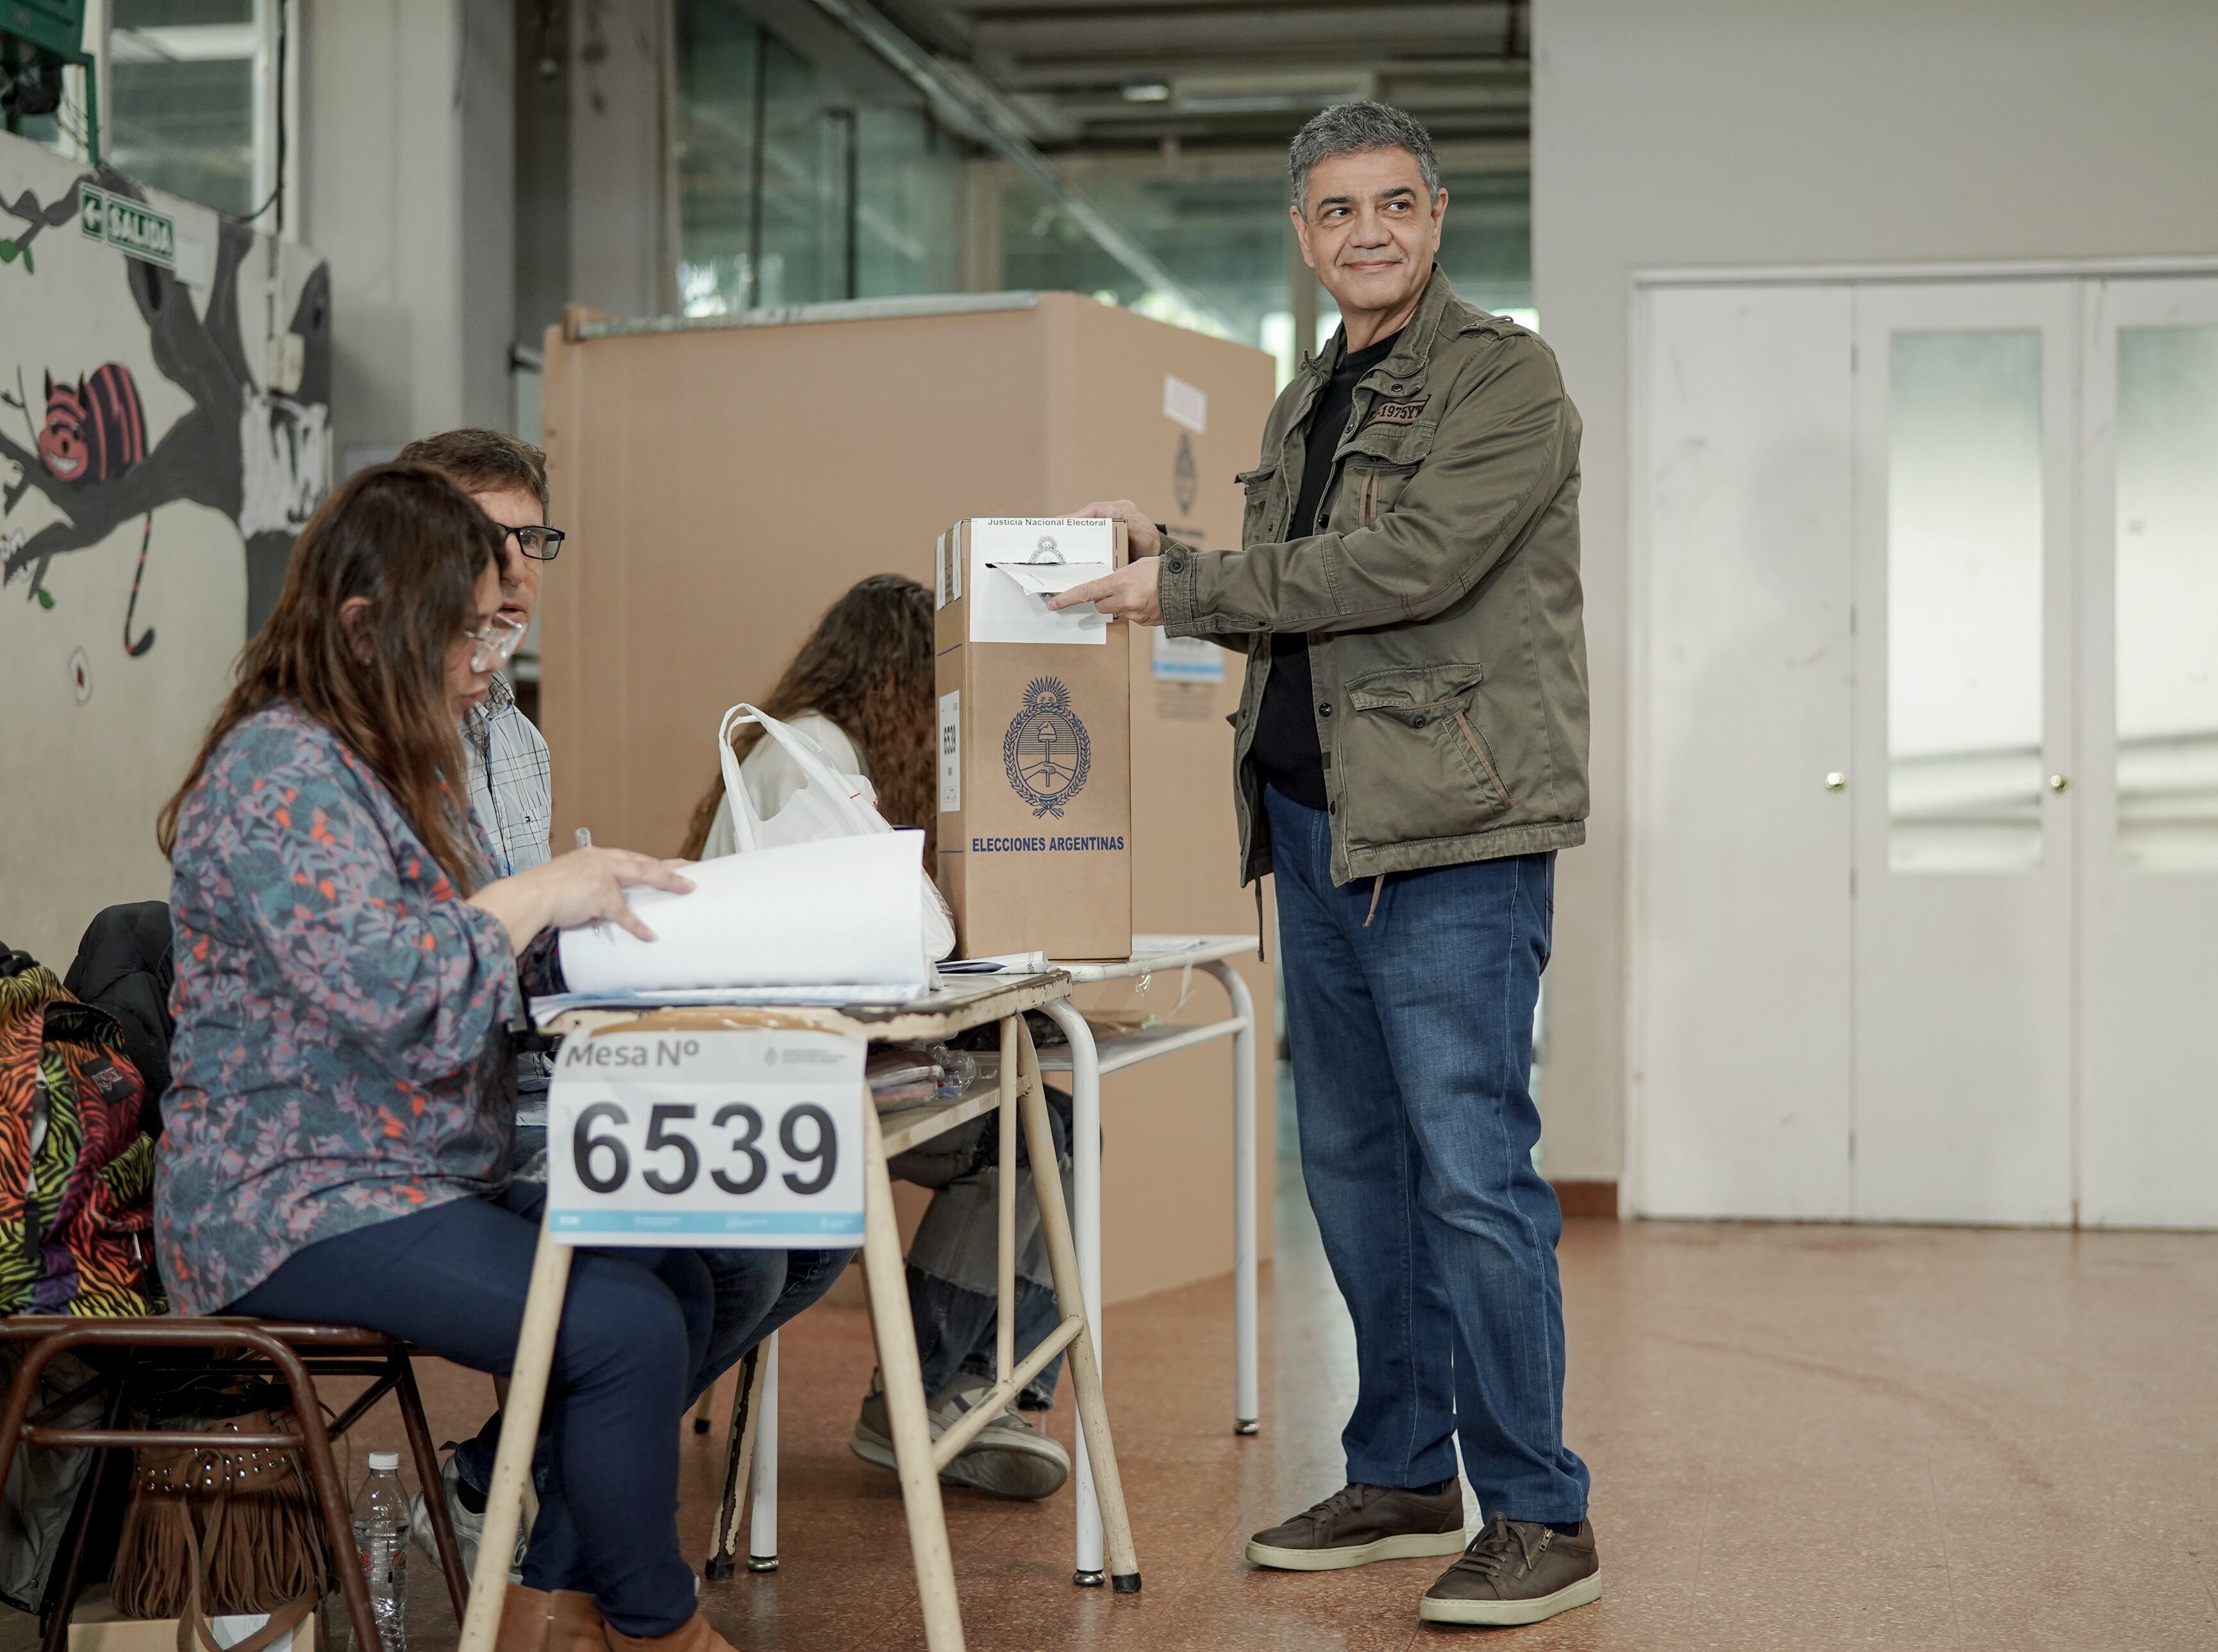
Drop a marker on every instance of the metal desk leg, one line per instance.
(739, 1465)
(1245, 1407)
(903, 1373)
(1086, 1230)
(1070, 1297)
(762, 1526)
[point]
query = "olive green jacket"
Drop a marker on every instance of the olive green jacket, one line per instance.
(1440, 591)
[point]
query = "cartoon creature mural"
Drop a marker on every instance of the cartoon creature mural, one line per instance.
(163, 435)
(255, 452)
(95, 428)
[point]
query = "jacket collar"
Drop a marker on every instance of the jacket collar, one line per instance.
(1413, 346)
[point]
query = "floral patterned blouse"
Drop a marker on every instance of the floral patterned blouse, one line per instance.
(341, 1049)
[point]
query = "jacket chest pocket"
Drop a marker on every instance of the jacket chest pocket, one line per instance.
(1254, 525)
(1376, 464)
(1412, 761)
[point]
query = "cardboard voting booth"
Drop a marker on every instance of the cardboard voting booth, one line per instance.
(724, 480)
(1035, 740)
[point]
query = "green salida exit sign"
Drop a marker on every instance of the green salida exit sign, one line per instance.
(57, 25)
(128, 226)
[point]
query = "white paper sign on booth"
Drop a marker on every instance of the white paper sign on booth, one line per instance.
(742, 1140)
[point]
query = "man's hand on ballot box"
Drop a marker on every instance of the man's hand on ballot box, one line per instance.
(1130, 592)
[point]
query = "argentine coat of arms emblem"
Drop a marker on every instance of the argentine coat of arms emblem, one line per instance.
(1045, 753)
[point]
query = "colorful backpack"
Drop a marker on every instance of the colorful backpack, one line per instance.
(77, 1170)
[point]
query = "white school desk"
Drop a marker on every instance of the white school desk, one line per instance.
(1016, 1091)
(1084, 1060)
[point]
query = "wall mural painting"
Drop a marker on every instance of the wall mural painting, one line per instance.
(164, 407)
(254, 452)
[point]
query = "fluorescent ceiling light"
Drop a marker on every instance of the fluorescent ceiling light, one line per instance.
(1267, 90)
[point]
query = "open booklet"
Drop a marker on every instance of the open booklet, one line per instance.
(835, 921)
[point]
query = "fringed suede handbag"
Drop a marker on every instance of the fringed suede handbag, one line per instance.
(212, 1532)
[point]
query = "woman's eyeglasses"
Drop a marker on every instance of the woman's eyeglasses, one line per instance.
(539, 544)
(494, 643)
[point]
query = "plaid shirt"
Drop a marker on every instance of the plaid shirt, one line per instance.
(511, 798)
(511, 784)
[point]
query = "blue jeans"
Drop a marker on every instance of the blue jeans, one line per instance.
(635, 1326)
(1411, 1027)
(755, 1293)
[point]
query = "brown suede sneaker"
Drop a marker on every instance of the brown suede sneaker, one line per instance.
(1358, 1525)
(1516, 1572)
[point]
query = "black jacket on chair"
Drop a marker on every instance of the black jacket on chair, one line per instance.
(123, 966)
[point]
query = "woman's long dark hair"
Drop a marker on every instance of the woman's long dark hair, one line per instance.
(411, 543)
(869, 669)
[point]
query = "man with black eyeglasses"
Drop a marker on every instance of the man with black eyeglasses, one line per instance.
(511, 791)
(511, 798)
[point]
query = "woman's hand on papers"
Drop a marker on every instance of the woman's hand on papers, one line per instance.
(1128, 594)
(582, 887)
(1141, 538)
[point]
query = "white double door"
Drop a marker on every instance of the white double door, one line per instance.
(1925, 752)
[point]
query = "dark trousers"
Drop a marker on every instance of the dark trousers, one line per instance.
(953, 1267)
(635, 1331)
(1411, 1019)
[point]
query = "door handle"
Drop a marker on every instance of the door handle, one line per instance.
(1836, 781)
(2058, 782)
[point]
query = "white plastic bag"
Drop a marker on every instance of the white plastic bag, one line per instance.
(832, 804)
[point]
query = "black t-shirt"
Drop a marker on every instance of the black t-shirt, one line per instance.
(1286, 744)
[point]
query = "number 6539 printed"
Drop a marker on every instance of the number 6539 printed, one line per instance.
(749, 1139)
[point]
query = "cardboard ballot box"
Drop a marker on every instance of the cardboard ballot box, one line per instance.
(1035, 740)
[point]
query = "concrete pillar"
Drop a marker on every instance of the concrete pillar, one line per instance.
(623, 177)
(406, 128)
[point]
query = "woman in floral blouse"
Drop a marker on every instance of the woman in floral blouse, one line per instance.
(336, 1134)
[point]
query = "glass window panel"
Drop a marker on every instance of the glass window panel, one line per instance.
(182, 80)
(908, 185)
(1964, 602)
(1225, 237)
(804, 183)
(717, 74)
(2167, 596)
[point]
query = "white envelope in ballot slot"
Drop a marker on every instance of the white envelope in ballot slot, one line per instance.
(1017, 562)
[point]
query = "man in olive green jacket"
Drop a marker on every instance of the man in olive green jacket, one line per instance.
(1411, 753)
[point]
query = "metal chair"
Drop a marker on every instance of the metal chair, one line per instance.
(293, 1354)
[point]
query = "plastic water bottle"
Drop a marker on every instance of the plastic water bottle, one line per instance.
(380, 1544)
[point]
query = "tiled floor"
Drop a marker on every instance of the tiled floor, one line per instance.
(1801, 1437)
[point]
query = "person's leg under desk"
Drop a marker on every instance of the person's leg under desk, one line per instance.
(1454, 957)
(1360, 1166)
(952, 1263)
(452, 1280)
(758, 1292)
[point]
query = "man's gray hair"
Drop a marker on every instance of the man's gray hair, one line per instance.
(1357, 128)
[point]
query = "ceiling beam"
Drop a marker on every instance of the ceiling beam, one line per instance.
(986, 9)
(1457, 156)
(1369, 29)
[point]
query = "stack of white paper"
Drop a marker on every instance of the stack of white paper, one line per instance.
(839, 913)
